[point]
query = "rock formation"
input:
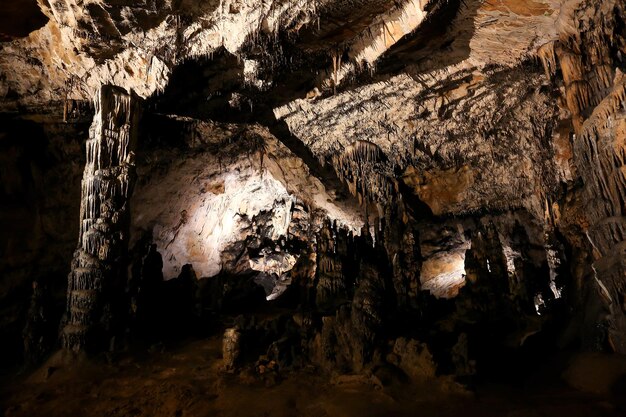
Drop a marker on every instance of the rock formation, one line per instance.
(99, 261)
(424, 187)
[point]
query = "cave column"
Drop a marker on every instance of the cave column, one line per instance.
(97, 276)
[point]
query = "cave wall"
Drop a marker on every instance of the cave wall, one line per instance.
(356, 285)
(42, 161)
(585, 63)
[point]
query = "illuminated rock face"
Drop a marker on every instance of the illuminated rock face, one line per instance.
(216, 221)
(448, 142)
(237, 190)
(99, 261)
(137, 44)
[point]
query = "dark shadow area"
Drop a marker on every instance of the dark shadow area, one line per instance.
(39, 200)
(204, 89)
(434, 45)
(18, 18)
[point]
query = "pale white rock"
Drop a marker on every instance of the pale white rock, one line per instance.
(274, 263)
(214, 222)
(204, 203)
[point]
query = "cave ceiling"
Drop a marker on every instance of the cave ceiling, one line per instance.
(139, 44)
(423, 66)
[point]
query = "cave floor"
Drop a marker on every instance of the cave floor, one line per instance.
(186, 380)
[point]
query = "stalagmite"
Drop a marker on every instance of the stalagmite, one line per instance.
(104, 217)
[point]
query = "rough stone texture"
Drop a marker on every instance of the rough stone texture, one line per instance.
(455, 141)
(137, 44)
(134, 45)
(215, 200)
(99, 261)
(347, 155)
(586, 59)
(413, 358)
(443, 268)
(231, 349)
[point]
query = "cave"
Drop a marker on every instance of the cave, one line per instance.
(312, 208)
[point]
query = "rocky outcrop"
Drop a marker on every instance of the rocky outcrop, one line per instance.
(231, 349)
(413, 358)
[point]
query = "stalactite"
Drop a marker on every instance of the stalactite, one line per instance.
(361, 167)
(104, 216)
(595, 91)
(548, 59)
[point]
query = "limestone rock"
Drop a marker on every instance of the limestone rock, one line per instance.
(231, 348)
(413, 358)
